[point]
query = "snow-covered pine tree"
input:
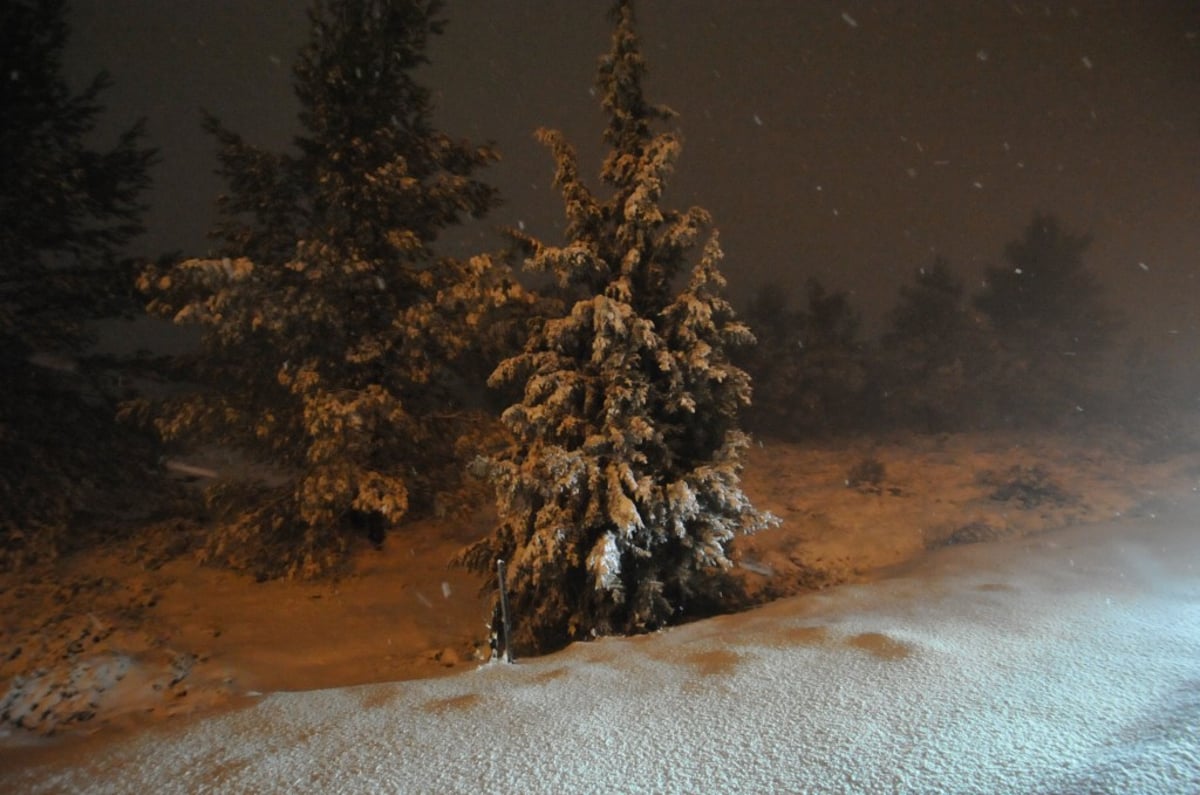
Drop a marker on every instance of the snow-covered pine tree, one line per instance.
(326, 344)
(620, 496)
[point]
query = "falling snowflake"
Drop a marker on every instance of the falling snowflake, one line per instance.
(982, 55)
(1086, 61)
(849, 19)
(1143, 266)
(758, 120)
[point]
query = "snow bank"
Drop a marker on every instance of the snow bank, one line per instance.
(1067, 663)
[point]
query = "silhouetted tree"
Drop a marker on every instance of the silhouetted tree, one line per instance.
(67, 212)
(1045, 308)
(834, 373)
(330, 318)
(774, 362)
(809, 368)
(933, 355)
(621, 494)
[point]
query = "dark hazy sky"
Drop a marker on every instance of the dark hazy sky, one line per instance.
(849, 141)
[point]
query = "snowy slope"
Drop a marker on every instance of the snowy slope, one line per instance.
(1066, 663)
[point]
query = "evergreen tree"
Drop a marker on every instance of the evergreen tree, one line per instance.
(67, 212)
(930, 309)
(809, 369)
(1045, 308)
(832, 392)
(327, 331)
(774, 362)
(620, 496)
(934, 354)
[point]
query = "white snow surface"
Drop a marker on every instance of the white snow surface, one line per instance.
(1063, 663)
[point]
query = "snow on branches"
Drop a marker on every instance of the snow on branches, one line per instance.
(621, 492)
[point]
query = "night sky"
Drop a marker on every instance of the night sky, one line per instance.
(849, 141)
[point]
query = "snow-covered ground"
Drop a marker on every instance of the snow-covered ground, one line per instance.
(1067, 662)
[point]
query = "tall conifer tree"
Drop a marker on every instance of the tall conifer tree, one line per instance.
(622, 492)
(68, 210)
(325, 347)
(1051, 324)
(809, 368)
(935, 357)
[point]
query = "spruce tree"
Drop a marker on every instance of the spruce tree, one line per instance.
(621, 493)
(1053, 330)
(809, 367)
(831, 394)
(934, 355)
(774, 362)
(68, 211)
(327, 346)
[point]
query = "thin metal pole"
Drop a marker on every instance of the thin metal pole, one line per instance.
(504, 625)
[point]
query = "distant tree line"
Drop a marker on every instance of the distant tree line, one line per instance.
(1031, 349)
(345, 349)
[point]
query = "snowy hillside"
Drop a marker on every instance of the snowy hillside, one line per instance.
(1067, 662)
